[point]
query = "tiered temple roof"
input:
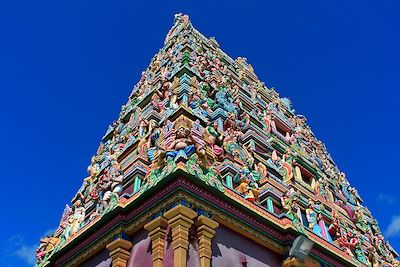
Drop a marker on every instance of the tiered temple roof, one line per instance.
(198, 113)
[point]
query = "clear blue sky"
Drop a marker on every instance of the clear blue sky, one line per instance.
(66, 67)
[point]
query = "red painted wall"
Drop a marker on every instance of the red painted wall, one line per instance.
(231, 250)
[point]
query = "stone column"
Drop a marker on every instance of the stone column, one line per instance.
(180, 218)
(157, 231)
(120, 250)
(205, 232)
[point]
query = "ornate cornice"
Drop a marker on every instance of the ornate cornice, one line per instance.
(227, 208)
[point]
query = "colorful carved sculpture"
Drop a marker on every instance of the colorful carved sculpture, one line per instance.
(198, 111)
(313, 218)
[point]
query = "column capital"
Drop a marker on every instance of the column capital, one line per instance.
(180, 210)
(203, 220)
(119, 251)
(292, 262)
(159, 222)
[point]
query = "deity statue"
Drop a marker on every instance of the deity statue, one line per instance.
(77, 217)
(93, 169)
(110, 185)
(47, 244)
(269, 123)
(248, 189)
(224, 100)
(358, 251)
(290, 205)
(313, 218)
(143, 125)
(182, 147)
(197, 104)
(361, 220)
(155, 152)
(232, 146)
(286, 163)
(244, 121)
(215, 139)
(261, 169)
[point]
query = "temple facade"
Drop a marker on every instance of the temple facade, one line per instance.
(207, 166)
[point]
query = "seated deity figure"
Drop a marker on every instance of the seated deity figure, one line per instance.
(260, 170)
(182, 147)
(47, 244)
(250, 193)
(231, 145)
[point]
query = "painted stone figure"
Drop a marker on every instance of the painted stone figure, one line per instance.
(313, 217)
(249, 192)
(77, 217)
(215, 139)
(182, 147)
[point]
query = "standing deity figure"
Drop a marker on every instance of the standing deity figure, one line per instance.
(143, 125)
(286, 163)
(269, 123)
(110, 185)
(358, 250)
(154, 151)
(290, 205)
(361, 220)
(313, 218)
(78, 216)
(215, 139)
(93, 169)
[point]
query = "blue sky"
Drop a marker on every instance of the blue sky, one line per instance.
(66, 67)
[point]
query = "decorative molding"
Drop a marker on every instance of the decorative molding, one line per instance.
(119, 252)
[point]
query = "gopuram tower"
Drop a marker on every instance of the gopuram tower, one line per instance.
(207, 166)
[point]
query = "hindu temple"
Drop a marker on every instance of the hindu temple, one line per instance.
(207, 166)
